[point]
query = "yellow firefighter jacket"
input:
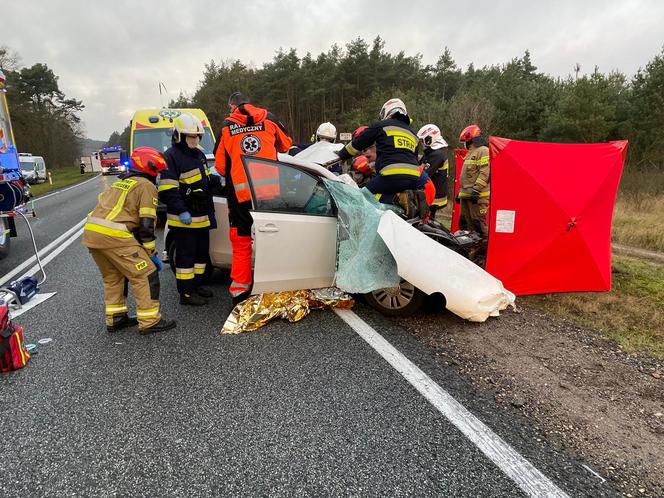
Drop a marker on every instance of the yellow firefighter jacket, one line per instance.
(475, 174)
(115, 221)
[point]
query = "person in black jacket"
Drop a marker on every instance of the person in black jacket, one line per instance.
(185, 187)
(397, 167)
(435, 163)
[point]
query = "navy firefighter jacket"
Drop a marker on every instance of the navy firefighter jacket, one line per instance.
(396, 143)
(186, 186)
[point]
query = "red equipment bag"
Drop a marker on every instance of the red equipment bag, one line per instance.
(13, 354)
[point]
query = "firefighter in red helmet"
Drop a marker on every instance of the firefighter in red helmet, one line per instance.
(119, 233)
(474, 190)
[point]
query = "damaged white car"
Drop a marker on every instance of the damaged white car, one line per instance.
(296, 235)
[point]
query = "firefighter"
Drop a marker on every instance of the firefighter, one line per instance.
(435, 164)
(247, 131)
(185, 187)
(326, 132)
(474, 189)
(362, 169)
(119, 233)
(396, 164)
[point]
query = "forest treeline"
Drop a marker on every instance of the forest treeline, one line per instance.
(347, 86)
(45, 121)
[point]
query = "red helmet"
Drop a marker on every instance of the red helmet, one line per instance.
(357, 132)
(469, 132)
(147, 160)
(361, 164)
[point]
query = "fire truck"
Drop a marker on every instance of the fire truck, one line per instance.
(113, 160)
(14, 193)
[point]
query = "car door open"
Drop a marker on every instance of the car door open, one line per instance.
(295, 227)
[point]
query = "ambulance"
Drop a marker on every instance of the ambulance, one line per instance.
(154, 128)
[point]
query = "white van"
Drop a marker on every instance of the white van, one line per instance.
(33, 168)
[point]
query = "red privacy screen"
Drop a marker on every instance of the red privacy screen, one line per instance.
(551, 212)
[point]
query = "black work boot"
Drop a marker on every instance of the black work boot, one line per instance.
(192, 300)
(204, 292)
(160, 326)
(235, 300)
(122, 322)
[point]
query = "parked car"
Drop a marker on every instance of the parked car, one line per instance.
(295, 236)
(33, 168)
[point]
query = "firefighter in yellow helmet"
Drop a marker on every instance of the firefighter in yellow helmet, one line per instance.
(119, 234)
(474, 188)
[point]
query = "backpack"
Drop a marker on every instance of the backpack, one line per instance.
(13, 354)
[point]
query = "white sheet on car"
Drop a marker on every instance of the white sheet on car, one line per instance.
(320, 152)
(470, 292)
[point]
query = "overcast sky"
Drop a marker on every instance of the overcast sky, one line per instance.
(111, 54)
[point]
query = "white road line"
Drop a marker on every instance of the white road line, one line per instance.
(37, 199)
(50, 257)
(8, 276)
(515, 466)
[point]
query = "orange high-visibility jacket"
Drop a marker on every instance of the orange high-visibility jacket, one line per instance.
(250, 131)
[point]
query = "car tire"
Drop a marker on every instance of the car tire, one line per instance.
(5, 239)
(403, 300)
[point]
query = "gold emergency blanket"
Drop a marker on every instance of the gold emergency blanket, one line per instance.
(293, 306)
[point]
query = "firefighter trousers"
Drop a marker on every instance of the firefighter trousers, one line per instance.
(123, 266)
(384, 187)
(473, 216)
(192, 253)
(240, 222)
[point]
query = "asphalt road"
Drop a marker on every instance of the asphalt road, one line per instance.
(55, 214)
(292, 409)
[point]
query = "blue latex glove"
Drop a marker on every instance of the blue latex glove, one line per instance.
(157, 262)
(185, 218)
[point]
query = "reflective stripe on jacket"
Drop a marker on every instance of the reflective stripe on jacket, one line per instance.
(187, 172)
(250, 131)
(116, 219)
(475, 173)
(395, 147)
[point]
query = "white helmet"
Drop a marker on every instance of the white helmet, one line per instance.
(431, 137)
(186, 124)
(392, 106)
(326, 130)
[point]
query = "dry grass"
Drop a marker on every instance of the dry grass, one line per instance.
(632, 314)
(62, 177)
(638, 221)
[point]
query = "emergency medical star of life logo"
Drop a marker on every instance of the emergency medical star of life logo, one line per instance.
(250, 144)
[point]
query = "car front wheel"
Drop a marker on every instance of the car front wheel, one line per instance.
(403, 300)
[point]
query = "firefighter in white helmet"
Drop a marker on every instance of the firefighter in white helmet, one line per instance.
(186, 189)
(326, 132)
(435, 163)
(397, 167)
